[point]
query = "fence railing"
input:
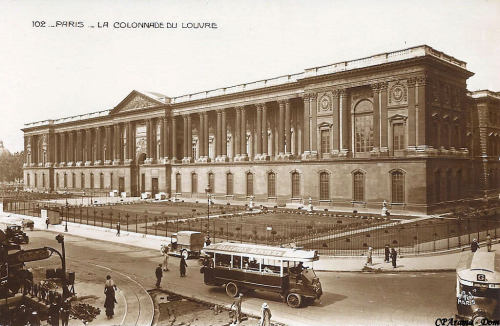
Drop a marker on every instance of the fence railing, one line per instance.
(350, 235)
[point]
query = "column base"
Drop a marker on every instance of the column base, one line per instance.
(222, 158)
(79, 163)
(148, 161)
(375, 152)
(116, 162)
(108, 162)
(69, 164)
(309, 155)
(288, 156)
(262, 157)
(62, 164)
(344, 152)
(128, 161)
(423, 150)
(88, 163)
(40, 165)
(48, 165)
(243, 158)
(98, 162)
(165, 160)
(384, 151)
(187, 160)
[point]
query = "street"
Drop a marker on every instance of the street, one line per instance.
(349, 298)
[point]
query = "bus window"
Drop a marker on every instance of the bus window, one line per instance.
(223, 260)
(236, 262)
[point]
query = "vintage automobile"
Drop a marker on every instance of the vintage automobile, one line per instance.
(245, 267)
(15, 234)
(186, 244)
(478, 287)
(28, 224)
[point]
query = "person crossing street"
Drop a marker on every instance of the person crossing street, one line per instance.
(159, 275)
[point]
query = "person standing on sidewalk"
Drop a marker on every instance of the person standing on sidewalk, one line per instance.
(488, 242)
(183, 266)
(387, 252)
(159, 275)
(265, 315)
(369, 256)
(118, 229)
(474, 246)
(237, 303)
(47, 222)
(394, 255)
(164, 251)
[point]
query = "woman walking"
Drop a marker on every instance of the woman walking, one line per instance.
(109, 302)
(182, 267)
(394, 255)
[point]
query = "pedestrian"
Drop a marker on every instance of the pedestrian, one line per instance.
(394, 255)
(118, 229)
(159, 275)
(237, 304)
(265, 315)
(109, 284)
(65, 310)
(109, 302)
(474, 246)
(54, 314)
(207, 241)
(488, 242)
(369, 256)
(164, 250)
(35, 319)
(47, 222)
(387, 252)
(183, 266)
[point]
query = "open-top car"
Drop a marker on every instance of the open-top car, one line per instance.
(15, 234)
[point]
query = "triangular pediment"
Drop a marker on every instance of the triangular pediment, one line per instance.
(139, 100)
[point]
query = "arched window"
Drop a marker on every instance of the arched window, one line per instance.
(398, 187)
(229, 184)
(211, 182)
(194, 183)
(295, 184)
(101, 180)
(249, 184)
(325, 141)
(271, 185)
(358, 186)
(437, 186)
(178, 184)
(363, 127)
(324, 186)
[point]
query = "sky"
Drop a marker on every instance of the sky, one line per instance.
(55, 72)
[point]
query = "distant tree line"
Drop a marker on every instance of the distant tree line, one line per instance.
(11, 166)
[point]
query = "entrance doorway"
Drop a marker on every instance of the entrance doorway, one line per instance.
(121, 185)
(154, 186)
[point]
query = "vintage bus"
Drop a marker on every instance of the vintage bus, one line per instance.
(245, 267)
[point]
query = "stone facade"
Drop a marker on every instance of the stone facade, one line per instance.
(398, 126)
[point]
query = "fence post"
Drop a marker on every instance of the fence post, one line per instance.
(227, 231)
(87, 215)
(166, 227)
(156, 225)
(136, 222)
(102, 218)
(94, 216)
(146, 224)
(127, 216)
(448, 234)
(468, 229)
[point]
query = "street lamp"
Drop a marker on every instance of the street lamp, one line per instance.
(60, 239)
(208, 190)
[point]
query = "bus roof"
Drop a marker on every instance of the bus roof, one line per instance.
(479, 262)
(286, 254)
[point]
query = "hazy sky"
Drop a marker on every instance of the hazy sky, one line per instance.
(56, 72)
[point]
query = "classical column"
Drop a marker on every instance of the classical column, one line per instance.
(344, 123)
(88, 147)
(117, 145)
(149, 145)
(237, 135)
(288, 131)
(412, 115)
(108, 158)
(265, 153)
(201, 136)
(336, 123)
(376, 119)
(206, 137)
(153, 140)
(79, 147)
(64, 150)
(243, 140)
(189, 139)
(314, 123)
(224, 136)
(306, 141)
(165, 139)
(98, 143)
(174, 140)
(259, 131)
(383, 119)
(218, 135)
(184, 139)
(422, 137)
(161, 121)
(56, 149)
(281, 128)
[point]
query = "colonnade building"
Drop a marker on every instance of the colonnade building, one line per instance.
(398, 126)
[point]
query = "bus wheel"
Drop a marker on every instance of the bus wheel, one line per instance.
(477, 318)
(185, 254)
(232, 289)
(294, 300)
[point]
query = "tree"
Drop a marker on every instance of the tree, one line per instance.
(11, 166)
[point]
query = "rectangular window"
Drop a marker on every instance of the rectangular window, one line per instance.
(82, 181)
(359, 187)
(73, 180)
(229, 184)
(101, 180)
(325, 141)
(249, 184)
(271, 185)
(295, 185)
(194, 183)
(91, 181)
(398, 136)
(111, 180)
(211, 182)
(324, 186)
(398, 195)
(363, 133)
(178, 183)
(57, 180)
(43, 180)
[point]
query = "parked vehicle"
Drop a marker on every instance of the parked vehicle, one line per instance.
(28, 224)
(15, 234)
(244, 267)
(478, 286)
(186, 244)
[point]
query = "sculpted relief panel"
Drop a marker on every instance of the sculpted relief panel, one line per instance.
(325, 103)
(138, 102)
(398, 93)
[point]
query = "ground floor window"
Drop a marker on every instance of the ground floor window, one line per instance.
(178, 183)
(271, 184)
(194, 183)
(398, 187)
(358, 186)
(211, 182)
(295, 185)
(249, 184)
(229, 184)
(324, 186)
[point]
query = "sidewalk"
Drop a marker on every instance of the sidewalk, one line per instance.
(444, 261)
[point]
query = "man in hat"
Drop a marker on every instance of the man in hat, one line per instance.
(474, 246)
(159, 275)
(265, 315)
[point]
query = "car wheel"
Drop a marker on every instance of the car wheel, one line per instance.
(185, 254)
(477, 318)
(294, 300)
(232, 289)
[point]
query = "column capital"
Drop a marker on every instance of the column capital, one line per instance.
(311, 95)
(375, 87)
(411, 81)
(342, 92)
(423, 80)
(383, 86)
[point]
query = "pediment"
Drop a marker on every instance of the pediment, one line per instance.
(139, 100)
